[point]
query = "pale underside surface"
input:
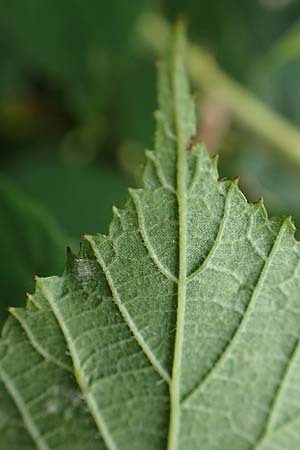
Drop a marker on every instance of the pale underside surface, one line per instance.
(180, 330)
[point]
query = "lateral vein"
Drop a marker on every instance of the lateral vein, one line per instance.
(235, 338)
(127, 317)
(268, 430)
(89, 398)
(162, 269)
(217, 239)
(159, 172)
(35, 344)
(20, 404)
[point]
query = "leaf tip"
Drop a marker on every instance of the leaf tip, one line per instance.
(194, 140)
(260, 202)
(215, 160)
(236, 180)
(290, 223)
(116, 211)
(28, 298)
(70, 257)
(70, 254)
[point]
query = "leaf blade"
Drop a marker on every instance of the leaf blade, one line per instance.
(183, 323)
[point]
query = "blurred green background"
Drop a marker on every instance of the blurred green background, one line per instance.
(77, 95)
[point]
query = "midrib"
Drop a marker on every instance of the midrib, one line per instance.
(174, 426)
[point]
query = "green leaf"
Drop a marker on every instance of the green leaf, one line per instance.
(31, 242)
(80, 198)
(178, 330)
(68, 44)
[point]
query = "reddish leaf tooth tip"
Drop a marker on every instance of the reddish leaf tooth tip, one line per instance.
(36, 278)
(28, 296)
(195, 140)
(236, 179)
(260, 201)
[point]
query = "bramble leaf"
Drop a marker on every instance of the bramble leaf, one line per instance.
(179, 330)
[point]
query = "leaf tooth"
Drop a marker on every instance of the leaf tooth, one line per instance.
(33, 304)
(236, 180)
(149, 154)
(194, 141)
(260, 201)
(261, 206)
(292, 227)
(215, 160)
(70, 258)
(29, 301)
(116, 211)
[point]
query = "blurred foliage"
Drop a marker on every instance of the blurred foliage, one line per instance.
(80, 198)
(77, 94)
(31, 242)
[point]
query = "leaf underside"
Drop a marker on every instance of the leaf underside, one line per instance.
(179, 330)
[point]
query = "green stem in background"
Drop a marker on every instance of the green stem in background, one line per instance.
(245, 107)
(285, 49)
